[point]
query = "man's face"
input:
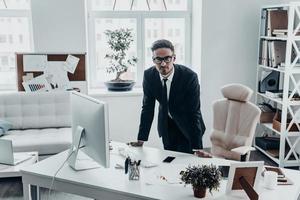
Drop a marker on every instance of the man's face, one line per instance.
(163, 58)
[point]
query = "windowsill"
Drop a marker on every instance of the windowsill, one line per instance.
(105, 93)
(101, 92)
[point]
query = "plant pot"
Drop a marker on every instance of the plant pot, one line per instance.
(120, 85)
(199, 192)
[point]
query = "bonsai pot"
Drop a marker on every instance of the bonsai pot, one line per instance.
(119, 85)
(199, 192)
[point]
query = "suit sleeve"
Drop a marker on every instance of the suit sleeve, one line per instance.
(147, 110)
(197, 125)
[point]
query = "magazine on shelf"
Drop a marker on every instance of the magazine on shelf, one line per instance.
(283, 64)
(282, 32)
(263, 60)
(274, 93)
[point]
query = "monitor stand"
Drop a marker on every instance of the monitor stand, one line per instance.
(77, 159)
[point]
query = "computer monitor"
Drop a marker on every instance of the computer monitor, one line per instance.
(89, 131)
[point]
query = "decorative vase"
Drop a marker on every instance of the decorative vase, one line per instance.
(199, 192)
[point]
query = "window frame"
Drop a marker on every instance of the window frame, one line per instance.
(140, 17)
(26, 13)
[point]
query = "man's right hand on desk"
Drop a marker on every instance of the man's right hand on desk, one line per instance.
(139, 143)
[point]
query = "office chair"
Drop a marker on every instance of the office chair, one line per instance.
(234, 123)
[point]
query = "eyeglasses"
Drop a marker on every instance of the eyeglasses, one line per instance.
(159, 60)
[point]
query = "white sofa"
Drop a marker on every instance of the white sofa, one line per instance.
(41, 121)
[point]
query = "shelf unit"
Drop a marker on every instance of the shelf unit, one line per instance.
(289, 81)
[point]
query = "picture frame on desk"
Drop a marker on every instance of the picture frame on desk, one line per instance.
(249, 172)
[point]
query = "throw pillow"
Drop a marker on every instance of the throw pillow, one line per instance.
(4, 126)
(1, 132)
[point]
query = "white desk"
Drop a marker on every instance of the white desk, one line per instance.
(113, 184)
(7, 171)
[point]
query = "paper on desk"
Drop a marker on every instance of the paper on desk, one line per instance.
(71, 63)
(56, 75)
(165, 175)
(34, 63)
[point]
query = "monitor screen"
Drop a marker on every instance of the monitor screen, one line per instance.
(92, 115)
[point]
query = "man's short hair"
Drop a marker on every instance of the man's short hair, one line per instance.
(162, 44)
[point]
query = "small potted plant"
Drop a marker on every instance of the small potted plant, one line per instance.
(119, 42)
(201, 178)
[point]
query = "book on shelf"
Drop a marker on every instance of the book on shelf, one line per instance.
(277, 19)
(267, 143)
(278, 49)
(283, 32)
(263, 22)
(274, 93)
(273, 152)
(283, 64)
(263, 58)
(272, 53)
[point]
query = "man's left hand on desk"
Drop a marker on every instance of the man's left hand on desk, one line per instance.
(202, 153)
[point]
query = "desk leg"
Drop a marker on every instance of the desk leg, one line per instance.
(26, 194)
(35, 192)
(31, 192)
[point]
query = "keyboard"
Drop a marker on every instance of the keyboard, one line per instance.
(144, 163)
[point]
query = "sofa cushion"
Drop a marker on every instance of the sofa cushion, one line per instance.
(45, 141)
(36, 110)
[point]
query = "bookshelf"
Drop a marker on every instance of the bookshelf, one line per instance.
(279, 69)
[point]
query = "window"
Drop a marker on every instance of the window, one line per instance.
(149, 22)
(15, 36)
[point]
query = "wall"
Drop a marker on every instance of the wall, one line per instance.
(228, 52)
(229, 48)
(124, 118)
(59, 25)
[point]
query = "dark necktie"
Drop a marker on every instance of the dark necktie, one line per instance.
(164, 104)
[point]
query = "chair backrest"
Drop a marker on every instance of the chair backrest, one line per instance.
(235, 117)
(36, 110)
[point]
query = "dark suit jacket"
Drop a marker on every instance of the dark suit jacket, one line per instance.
(184, 104)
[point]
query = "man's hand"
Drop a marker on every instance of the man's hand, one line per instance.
(202, 154)
(139, 143)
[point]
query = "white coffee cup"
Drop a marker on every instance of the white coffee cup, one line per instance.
(270, 179)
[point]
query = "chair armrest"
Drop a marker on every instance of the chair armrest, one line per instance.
(242, 150)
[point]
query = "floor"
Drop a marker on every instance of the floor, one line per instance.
(11, 188)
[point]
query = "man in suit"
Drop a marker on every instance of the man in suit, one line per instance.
(177, 90)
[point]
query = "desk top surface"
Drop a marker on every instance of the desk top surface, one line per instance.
(14, 170)
(150, 185)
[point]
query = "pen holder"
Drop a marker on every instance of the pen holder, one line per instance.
(133, 171)
(132, 168)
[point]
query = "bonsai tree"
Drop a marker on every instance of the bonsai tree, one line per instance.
(201, 178)
(119, 42)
